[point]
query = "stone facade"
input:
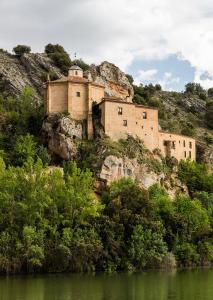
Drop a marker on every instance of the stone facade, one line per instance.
(74, 95)
(119, 117)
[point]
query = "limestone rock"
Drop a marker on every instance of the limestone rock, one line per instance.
(28, 70)
(115, 168)
(61, 133)
(115, 81)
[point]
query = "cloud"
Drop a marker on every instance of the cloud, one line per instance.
(116, 30)
(168, 80)
(147, 75)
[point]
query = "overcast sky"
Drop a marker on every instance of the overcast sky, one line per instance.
(165, 41)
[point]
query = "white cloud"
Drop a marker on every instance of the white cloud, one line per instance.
(114, 30)
(168, 80)
(147, 75)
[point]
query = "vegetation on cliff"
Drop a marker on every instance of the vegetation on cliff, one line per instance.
(53, 219)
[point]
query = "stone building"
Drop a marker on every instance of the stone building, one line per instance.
(75, 94)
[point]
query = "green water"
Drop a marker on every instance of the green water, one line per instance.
(181, 285)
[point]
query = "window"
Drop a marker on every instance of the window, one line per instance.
(190, 145)
(190, 154)
(151, 128)
(144, 115)
(78, 94)
(185, 154)
(142, 127)
(184, 143)
(173, 145)
(120, 110)
(76, 72)
(125, 123)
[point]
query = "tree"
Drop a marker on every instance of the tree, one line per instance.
(210, 92)
(59, 56)
(21, 49)
(25, 149)
(147, 247)
(130, 78)
(196, 89)
(209, 114)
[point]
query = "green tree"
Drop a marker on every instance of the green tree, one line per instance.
(209, 114)
(147, 247)
(19, 50)
(25, 149)
(59, 56)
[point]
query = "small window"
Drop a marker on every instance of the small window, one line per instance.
(184, 143)
(190, 154)
(185, 154)
(76, 72)
(179, 142)
(144, 115)
(78, 94)
(190, 145)
(173, 145)
(120, 110)
(142, 127)
(125, 123)
(151, 128)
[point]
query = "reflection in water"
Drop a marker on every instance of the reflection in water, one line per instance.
(181, 285)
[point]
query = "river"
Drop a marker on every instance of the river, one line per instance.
(152, 285)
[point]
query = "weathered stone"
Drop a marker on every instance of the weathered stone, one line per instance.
(61, 133)
(115, 81)
(115, 168)
(27, 70)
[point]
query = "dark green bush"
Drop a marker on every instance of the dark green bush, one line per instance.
(21, 49)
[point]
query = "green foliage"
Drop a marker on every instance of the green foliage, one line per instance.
(196, 176)
(19, 50)
(44, 215)
(147, 247)
(20, 117)
(130, 78)
(209, 114)
(210, 92)
(142, 94)
(79, 62)
(196, 89)
(25, 149)
(59, 56)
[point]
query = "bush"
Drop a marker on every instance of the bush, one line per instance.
(59, 56)
(209, 114)
(21, 49)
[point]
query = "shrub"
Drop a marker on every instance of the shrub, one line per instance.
(59, 56)
(21, 49)
(209, 114)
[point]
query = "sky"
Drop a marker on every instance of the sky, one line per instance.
(161, 41)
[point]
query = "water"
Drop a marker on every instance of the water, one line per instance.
(181, 285)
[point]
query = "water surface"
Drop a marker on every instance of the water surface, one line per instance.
(153, 285)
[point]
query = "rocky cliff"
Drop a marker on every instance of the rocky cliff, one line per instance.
(32, 69)
(115, 81)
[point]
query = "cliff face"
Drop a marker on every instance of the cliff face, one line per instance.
(32, 69)
(115, 81)
(28, 70)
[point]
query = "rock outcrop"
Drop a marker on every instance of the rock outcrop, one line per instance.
(28, 70)
(61, 133)
(115, 168)
(32, 69)
(115, 81)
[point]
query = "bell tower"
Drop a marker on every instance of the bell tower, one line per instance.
(75, 71)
